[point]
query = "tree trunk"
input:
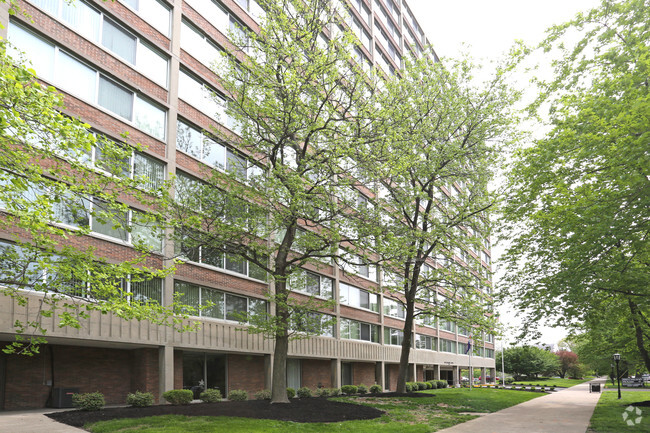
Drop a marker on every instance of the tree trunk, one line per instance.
(638, 331)
(279, 384)
(406, 350)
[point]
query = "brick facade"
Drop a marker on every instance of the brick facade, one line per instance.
(317, 372)
(246, 372)
(363, 373)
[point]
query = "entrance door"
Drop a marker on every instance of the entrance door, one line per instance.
(346, 373)
(293, 373)
(387, 377)
(203, 370)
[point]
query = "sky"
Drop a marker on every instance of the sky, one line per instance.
(486, 29)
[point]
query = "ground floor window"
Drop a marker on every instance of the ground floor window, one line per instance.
(204, 371)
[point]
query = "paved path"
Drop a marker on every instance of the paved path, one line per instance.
(33, 421)
(565, 411)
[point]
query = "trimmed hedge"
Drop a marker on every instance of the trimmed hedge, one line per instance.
(349, 389)
(335, 392)
(178, 396)
(89, 400)
(264, 394)
(140, 399)
(238, 395)
(304, 392)
(210, 396)
(362, 389)
(322, 392)
(291, 393)
(375, 389)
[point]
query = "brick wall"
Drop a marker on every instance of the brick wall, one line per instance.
(145, 373)
(363, 373)
(315, 372)
(246, 372)
(178, 369)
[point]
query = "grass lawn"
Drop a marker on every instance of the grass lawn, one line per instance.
(410, 415)
(608, 416)
(549, 381)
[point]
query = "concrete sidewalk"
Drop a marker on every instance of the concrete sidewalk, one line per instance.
(33, 421)
(565, 411)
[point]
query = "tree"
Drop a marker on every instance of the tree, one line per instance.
(277, 205)
(440, 139)
(528, 361)
(46, 211)
(568, 361)
(578, 212)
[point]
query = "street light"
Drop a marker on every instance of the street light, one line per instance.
(612, 375)
(617, 358)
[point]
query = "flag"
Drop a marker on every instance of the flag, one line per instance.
(469, 345)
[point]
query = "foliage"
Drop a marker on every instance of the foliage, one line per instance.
(322, 392)
(442, 384)
(408, 387)
(304, 392)
(421, 385)
(178, 396)
(404, 415)
(89, 401)
(238, 395)
(210, 396)
(335, 392)
(528, 361)
(375, 389)
(578, 208)
(264, 394)
(140, 399)
(568, 360)
(291, 393)
(362, 389)
(349, 389)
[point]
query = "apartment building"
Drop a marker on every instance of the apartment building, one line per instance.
(142, 66)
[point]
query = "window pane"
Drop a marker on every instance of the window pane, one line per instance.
(115, 98)
(326, 287)
(312, 285)
(118, 41)
(214, 153)
(152, 64)
(256, 272)
(150, 118)
(365, 331)
(82, 18)
(75, 77)
(355, 330)
(147, 291)
(189, 140)
(149, 170)
(146, 232)
(257, 307)
(52, 6)
(71, 210)
(236, 306)
(364, 299)
(236, 164)
(37, 51)
(105, 159)
(212, 257)
(215, 297)
(235, 263)
(156, 14)
(109, 222)
(189, 296)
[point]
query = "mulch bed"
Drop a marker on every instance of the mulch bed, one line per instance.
(641, 403)
(303, 410)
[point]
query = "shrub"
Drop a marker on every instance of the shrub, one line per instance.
(409, 387)
(510, 380)
(362, 389)
(349, 389)
(434, 384)
(375, 389)
(428, 384)
(335, 391)
(304, 392)
(88, 401)
(422, 386)
(291, 393)
(264, 394)
(178, 396)
(238, 395)
(442, 384)
(210, 396)
(140, 399)
(322, 392)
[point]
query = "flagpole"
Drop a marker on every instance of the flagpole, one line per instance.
(471, 372)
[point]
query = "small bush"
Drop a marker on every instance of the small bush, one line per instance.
(409, 387)
(441, 384)
(422, 386)
(434, 384)
(291, 393)
(349, 389)
(509, 380)
(238, 395)
(89, 401)
(304, 392)
(335, 392)
(362, 389)
(322, 392)
(179, 396)
(428, 384)
(210, 396)
(140, 399)
(264, 394)
(375, 389)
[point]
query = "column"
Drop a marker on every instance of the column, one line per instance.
(268, 371)
(381, 372)
(483, 371)
(414, 372)
(493, 375)
(165, 370)
(436, 372)
(456, 375)
(336, 373)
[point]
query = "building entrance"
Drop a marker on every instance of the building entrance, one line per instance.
(204, 371)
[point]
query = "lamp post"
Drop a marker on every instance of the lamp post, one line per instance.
(612, 375)
(617, 358)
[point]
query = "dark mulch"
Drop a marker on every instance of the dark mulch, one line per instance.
(299, 410)
(395, 394)
(641, 403)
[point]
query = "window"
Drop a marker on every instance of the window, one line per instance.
(89, 22)
(215, 304)
(73, 76)
(360, 6)
(201, 47)
(153, 12)
(447, 325)
(358, 298)
(489, 353)
(394, 308)
(357, 265)
(393, 337)
(425, 342)
(314, 323)
(311, 283)
(447, 346)
(353, 330)
(202, 97)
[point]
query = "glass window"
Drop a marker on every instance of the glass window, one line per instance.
(71, 210)
(118, 40)
(236, 306)
(154, 12)
(235, 263)
(109, 222)
(236, 164)
(147, 291)
(115, 98)
(145, 231)
(214, 153)
(152, 64)
(36, 50)
(189, 295)
(82, 18)
(149, 170)
(150, 118)
(213, 303)
(189, 140)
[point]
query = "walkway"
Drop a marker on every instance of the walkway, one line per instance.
(33, 421)
(565, 411)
